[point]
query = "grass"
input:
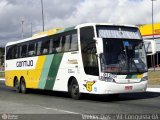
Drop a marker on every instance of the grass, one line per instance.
(1, 74)
(153, 77)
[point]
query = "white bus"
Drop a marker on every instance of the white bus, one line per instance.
(93, 58)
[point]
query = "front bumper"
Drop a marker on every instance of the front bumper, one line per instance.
(102, 87)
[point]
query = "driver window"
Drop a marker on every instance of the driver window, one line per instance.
(88, 49)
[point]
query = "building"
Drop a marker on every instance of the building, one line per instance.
(149, 34)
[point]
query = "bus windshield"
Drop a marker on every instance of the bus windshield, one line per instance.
(123, 56)
(124, 51)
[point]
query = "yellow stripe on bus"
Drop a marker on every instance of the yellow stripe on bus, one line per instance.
(31, 77)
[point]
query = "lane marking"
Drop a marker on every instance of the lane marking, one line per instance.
(58, 110)
(43, 107)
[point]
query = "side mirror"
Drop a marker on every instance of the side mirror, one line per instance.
(99, 45)
(150, 46)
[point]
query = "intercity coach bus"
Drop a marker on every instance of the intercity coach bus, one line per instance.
(93, 58)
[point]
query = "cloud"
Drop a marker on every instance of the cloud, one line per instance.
(117, 11)
(65, 13)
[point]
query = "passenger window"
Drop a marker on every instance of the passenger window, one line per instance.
(74, 42)
(31, 49)
(23, 51)
(51, 46)
(43, 47)
(66, 43)
(62, 43)
(10, 53)
(56, 45)
(16, 52)
(38, 47)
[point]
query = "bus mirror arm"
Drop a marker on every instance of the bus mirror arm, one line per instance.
(152, 45)
(99, 45)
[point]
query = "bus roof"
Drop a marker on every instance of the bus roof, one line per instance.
(60, 30)
(37, 35)
(109, 24)
(49, 32)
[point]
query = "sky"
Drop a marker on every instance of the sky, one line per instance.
(66, 13)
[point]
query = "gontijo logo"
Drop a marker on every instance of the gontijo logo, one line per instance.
(24, 63)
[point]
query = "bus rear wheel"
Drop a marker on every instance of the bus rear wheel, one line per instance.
(23, 86)
(17, 85)
(74, 90)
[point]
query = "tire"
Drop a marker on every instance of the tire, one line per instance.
(114, 95)
(23, 86)
(74, 90)
(17, 86)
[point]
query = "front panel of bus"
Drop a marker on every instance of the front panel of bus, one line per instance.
(121, 67)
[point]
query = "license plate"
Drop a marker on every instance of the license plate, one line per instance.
(128, 87)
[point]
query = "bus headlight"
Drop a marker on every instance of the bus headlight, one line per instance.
(144, 78)
(108, 79)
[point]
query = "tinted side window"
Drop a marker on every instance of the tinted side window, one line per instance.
(23, 50)
(88, 48)
(9, 53)
(38, 47)
(16, 52)
(62, 42)
(31, 49)
(65, 43)
(56, 45)
(74, 42)
(12, 52)
(45, 46)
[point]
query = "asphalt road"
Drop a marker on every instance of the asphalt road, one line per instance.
(38, 104)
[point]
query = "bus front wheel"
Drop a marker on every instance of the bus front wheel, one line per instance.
(74, 90)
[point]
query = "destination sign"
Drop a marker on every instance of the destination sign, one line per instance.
(118, 32)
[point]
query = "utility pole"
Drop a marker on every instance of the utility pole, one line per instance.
(42, 15)
(22, 31)
(31, 29)
(153, 31)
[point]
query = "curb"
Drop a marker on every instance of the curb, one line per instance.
(153, 89)
(2, 79)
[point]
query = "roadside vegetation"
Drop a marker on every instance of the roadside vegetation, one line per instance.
(1, 74)
(154, 77)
